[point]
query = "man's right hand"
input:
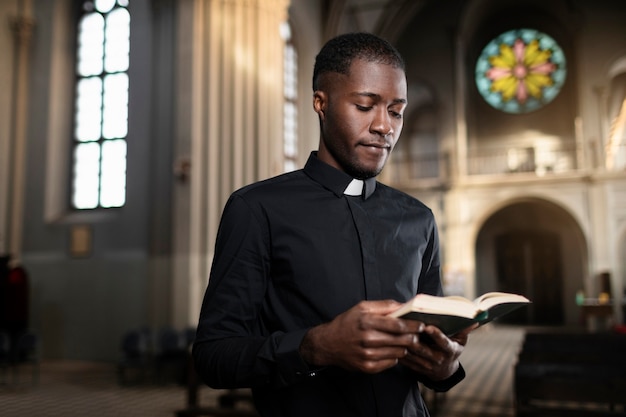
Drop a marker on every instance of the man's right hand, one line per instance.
(363, 338)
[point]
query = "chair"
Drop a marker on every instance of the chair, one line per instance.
(5, 355)
(135, 346)
(171, 356)
(190, 336)
(26, 351)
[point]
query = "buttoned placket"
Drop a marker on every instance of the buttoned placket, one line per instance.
(367, 243)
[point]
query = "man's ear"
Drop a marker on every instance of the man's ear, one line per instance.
(319, 103)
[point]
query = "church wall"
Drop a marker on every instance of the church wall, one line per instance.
(615, 216)
(82, 303)
(428, 48)
(601, 41)
(586, 30)
(549, 126)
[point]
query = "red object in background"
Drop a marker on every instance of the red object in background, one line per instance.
(16, 299)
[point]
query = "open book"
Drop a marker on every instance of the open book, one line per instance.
(454, 313)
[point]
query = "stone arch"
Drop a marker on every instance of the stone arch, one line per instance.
(533, 246)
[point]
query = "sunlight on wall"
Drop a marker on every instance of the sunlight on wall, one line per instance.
(616, 146)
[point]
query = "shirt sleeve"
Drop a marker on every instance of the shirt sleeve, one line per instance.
(446, 384)
(430, 275)
(232, 349)
(430, 283)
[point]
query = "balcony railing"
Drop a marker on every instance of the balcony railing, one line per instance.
(422, 167)
(437, 169)
(488, 161)
(541, 161)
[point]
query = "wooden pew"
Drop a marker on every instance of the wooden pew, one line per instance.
(571, 374)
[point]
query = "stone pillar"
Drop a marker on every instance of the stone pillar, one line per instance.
(460, 171)
(235, 116)
(22, 27)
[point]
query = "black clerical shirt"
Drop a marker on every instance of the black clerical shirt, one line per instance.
(293, 252)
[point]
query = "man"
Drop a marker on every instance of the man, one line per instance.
(309, 264)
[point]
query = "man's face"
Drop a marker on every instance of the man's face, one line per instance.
(360, 117)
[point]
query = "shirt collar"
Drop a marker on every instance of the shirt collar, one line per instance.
(334, 179)
(354, 188)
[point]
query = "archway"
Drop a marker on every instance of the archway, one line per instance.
(536, 248)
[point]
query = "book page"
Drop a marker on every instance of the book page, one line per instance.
(453, 305)
(490, 299)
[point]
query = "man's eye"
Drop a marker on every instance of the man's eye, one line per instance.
(363, 108)
(396, 115)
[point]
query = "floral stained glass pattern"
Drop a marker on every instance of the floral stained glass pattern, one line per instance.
(520, 71)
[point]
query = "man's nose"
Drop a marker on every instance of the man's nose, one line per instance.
(382, 123)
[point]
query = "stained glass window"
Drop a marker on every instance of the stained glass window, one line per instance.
(101, 113)
(520, 71)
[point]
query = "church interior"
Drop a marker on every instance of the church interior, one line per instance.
(126, 124)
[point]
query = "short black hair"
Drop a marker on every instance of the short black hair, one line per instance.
(339, 52)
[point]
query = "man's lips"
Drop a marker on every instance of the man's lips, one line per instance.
(381, 145)
(375, 150)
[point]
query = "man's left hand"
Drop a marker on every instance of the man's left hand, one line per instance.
(435, 355)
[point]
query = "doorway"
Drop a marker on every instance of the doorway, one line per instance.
(535, 248)
(529, 262)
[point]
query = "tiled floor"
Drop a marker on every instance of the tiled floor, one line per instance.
(487, 390)
(70, 388)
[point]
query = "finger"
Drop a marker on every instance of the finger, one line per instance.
(424, 351)
(373, 367)
(375, 360)
(392, 324)
(436, 336)
(417, 363)
(382, 353)
(462, 336)
(378, 339)
(379, 306)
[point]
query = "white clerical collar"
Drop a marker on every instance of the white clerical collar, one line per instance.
(355, 188)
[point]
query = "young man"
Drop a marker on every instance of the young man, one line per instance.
(309, 264)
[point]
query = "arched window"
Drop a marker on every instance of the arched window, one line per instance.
(290, 109)
(101, 106)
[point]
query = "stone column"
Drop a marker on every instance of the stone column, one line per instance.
(235, 116)
(22, 27)
(460, 171)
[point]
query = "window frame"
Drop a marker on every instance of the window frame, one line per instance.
(84, 8)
